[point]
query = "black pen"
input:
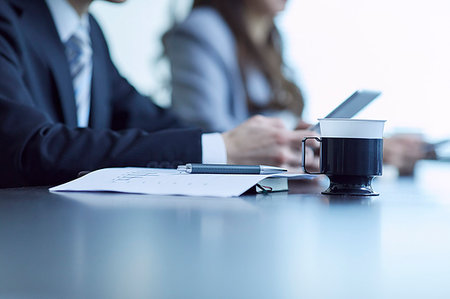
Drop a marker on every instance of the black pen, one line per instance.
(229, 169)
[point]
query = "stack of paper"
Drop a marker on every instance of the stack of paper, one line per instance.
(167, 182)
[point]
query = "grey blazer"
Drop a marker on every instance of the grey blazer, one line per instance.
(208, 90)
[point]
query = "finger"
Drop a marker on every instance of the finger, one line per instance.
(296, 138)
(311, 161)
(309, 155)
(313, 165)
(269, 121)
(277, 123)
(300, 134)
(293, 157)
(302, 125)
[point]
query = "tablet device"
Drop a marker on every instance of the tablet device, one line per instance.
(352, 105)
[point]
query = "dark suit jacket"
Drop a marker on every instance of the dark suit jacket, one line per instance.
(39, 140)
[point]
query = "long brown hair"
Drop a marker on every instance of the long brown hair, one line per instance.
(268, 59)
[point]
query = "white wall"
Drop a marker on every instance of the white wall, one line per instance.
(133, 30)
(401, 47)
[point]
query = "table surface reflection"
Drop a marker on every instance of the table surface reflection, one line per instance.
(297, 245)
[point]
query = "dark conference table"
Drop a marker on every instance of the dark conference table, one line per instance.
(297, 245)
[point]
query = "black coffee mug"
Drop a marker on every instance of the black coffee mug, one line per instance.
(351, 155)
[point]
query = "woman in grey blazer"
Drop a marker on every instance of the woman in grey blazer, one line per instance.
(226, 65)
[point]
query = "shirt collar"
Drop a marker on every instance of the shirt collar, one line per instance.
(66, 19)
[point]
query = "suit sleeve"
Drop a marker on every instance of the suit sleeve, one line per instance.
(38, 151)
(201, 92)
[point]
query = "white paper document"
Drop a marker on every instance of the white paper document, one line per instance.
(167, 182)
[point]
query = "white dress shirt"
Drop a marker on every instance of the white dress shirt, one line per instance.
(68, 22)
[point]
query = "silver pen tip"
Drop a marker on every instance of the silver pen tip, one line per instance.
(181, 168)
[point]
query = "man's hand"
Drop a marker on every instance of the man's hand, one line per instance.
(262, 140)
(302, 125)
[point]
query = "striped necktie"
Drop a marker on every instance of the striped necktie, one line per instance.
(79, 55)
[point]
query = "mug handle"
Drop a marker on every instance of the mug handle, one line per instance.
(304, 155)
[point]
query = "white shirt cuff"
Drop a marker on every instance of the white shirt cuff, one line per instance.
(213, 149)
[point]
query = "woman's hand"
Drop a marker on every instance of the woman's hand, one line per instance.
(403, 151)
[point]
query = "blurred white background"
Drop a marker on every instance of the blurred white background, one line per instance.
(401, 47)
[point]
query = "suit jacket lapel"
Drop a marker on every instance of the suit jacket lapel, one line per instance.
(43, 36)
(100, 116)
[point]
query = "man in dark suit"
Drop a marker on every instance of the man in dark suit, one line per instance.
(65, 108)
